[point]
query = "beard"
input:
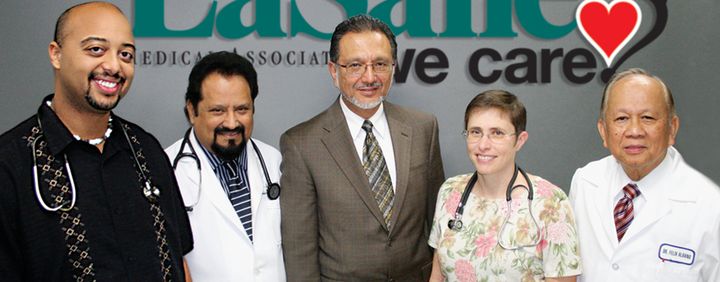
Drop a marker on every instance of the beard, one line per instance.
(364, 106)
(368, 105)
(100, 106)
(233, 148)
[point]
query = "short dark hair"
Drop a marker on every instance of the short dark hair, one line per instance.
(60, 23)
(360, 23)
(502, 100)
(224, 63)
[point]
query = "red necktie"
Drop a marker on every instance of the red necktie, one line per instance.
(624, 210)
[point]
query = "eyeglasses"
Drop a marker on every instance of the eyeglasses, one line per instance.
(474, 135)
(357, 69)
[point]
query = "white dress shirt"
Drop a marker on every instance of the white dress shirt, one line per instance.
(381, 131)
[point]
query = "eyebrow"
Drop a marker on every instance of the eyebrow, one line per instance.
(94, 38)
(361, 59)
(491, 128)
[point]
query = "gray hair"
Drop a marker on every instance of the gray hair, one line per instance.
(360, 23)
(636, 71)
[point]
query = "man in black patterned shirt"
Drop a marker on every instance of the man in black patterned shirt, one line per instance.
(87, 195)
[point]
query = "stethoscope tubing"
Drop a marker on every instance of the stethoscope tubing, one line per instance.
(36, 183)
(456, 223)
(150, 192)
(273, 189)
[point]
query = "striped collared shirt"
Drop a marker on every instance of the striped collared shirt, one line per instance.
(223, 173)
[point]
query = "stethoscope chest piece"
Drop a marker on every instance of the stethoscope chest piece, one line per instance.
(151, 192)
(273, 191)
(455, 224)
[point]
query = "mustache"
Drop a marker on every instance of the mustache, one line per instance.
(121, 79)
(240, 129)
(366, 85)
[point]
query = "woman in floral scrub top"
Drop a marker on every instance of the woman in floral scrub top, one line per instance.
(495, 132)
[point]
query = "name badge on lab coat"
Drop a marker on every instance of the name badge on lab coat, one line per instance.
(672, 253)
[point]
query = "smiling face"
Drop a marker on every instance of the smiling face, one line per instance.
(364, 92)
(223, 120)
(94, 60)
(492, 157)
(637, 127)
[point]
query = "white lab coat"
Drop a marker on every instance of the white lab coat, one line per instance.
(222, 250)
(682, 212)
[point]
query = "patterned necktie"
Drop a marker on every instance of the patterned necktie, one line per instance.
(239, 195)
(624, 210)
(377, 172)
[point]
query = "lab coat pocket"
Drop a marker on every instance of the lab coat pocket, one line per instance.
(273, 216)
(668, 271)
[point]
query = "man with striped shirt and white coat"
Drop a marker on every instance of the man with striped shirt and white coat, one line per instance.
(226, 178)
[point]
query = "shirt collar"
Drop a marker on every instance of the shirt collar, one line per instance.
(216, 161)
(355, 121)
(56, 134)
(652, 182)
(648, 185)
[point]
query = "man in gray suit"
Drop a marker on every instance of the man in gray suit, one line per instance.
(361, 178)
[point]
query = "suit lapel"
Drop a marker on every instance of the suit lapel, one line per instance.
(655, 208)
(660, 196)
(340, 146)
(401, 135)
(604, 225)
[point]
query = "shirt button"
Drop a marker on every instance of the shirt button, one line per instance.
(615, 266)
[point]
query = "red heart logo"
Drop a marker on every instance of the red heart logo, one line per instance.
(608, 27)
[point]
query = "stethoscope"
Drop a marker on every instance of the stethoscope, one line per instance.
(456, 223)
(272, 191)
(150, 191)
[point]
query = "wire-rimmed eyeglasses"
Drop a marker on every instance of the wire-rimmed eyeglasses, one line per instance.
(474, 135)
(357, 69)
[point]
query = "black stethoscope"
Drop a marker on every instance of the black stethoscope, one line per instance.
(273, 189)
(456, 223)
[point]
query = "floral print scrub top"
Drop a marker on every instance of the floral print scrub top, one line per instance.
(474, 253)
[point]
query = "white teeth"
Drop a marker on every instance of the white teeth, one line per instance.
(485, 158)
(107, 84)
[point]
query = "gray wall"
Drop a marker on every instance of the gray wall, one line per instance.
(562, 115)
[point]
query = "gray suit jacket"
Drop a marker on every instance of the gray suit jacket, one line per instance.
(332, 227)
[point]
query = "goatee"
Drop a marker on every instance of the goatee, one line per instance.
(233, 149)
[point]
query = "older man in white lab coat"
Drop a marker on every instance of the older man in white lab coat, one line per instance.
(227, 179)
(643, 214)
